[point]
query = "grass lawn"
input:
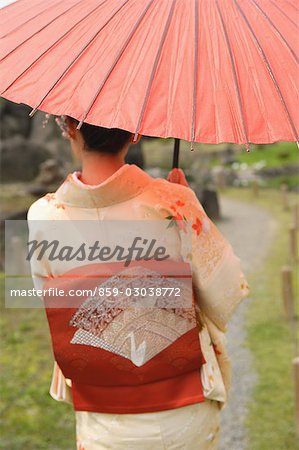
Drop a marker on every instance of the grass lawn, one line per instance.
(29, 418)
(271, 414)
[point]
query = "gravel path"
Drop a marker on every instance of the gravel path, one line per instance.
(250, 230)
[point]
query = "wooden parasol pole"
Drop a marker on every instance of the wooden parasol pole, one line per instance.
(176, 153)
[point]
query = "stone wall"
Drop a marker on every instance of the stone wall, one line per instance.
(25, 144)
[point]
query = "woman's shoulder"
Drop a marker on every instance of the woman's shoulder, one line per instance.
(164, 190)
(44, 208)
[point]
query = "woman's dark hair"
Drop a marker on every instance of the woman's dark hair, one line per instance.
(103, 140)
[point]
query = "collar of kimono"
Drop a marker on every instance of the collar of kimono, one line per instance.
(126, 183)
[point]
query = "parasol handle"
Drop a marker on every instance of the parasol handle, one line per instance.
(176, 152)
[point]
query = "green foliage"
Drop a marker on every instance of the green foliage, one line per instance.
(274, 155)
(159, 152)
(14, 198)
(292, 182)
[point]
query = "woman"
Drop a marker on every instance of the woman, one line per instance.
(172, 399)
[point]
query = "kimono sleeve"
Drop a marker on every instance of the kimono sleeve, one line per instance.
(219, 283)
(40, 269)
(60, 388)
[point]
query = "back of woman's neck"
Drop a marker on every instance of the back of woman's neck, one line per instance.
(95, 170)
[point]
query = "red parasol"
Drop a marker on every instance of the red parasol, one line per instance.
(201, 70)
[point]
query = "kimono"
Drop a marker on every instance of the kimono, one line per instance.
(218, 286)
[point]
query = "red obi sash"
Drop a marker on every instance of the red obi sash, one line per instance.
(123, 355)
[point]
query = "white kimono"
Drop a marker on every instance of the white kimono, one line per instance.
(218, 282)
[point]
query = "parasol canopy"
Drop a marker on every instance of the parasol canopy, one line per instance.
(201, 70)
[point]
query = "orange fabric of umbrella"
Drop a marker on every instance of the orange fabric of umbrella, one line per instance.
(201, 70)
